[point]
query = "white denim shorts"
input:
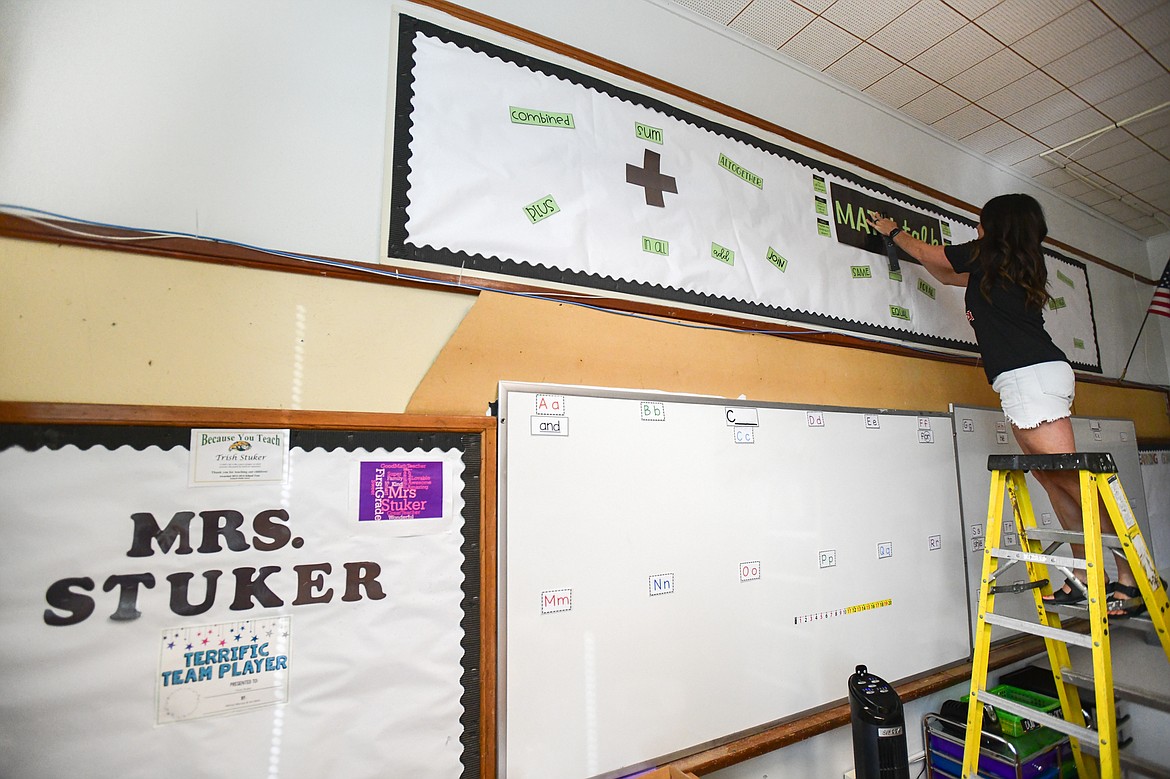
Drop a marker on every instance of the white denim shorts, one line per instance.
(1036, 394)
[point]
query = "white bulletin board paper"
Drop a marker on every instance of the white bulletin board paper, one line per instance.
(676, 570)
(509, 165)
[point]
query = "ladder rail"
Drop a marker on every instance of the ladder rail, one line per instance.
(1058, 654)
(1133, 546)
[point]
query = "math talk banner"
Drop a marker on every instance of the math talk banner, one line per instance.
(506, 164)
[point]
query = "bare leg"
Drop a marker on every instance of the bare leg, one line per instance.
(1063, 487)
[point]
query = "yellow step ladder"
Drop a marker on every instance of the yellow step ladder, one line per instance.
(1098, 477)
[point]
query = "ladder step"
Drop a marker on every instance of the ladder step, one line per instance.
(1065, 636)
(1094, 462)
(1035, 557)
(1079, 732)
(1122, 692)
(1109, 541)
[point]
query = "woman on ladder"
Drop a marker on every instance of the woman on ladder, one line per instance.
(1006, 291)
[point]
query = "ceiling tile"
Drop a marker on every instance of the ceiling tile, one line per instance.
(1118, 79)
(1161, 53)
(993, 137)
(1035, 166)
(1029, 90)
(1119, 210)
(1017, 151)
(1074, 188)
(817, 6)
(995, 72)
(1059, 106)
(1158, 138)
(1075, 126)
(915, 31)
(1092, 58)
(1141, 172)
(1013, 19)
(1054, 178)
(772, 22)
(1129, 149)
(1153, 28)
(963, 122)
(968, 46)
(934, 105)
(1158, 193)
(1135, 101)
(1147, 226)
(1064, 35)
(864, 17)
(1095, 197)
(900, 87)
(1150, 122)
(973, 8)
(1124, 11)
(721, 11)
(862, 67)
(820, 44)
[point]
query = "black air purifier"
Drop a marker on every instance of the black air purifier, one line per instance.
(879, 728)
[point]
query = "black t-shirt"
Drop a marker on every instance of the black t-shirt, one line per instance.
(1010, 333)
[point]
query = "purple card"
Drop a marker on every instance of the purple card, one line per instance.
(400, 490)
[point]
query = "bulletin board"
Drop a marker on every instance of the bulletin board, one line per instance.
(980, 432)
(509, 165)
(678, 571)
(292, 594)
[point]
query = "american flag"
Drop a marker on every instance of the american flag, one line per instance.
(1161, 302)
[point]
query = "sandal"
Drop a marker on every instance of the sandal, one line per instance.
(1126, 600)
(1068, 595)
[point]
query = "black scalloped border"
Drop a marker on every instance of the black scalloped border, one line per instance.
(398, 245)
(32, 437)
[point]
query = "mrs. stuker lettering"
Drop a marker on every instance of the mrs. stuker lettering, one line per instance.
(248, 587)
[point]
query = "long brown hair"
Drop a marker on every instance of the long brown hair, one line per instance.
(1009, 253)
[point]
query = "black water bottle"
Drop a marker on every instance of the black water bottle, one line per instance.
(879, 728)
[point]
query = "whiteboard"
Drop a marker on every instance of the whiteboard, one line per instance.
(980, 432)
(669, 579)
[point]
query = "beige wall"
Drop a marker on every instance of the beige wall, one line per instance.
(88, 326)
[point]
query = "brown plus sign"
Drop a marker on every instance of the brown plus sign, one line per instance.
(651, 178)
